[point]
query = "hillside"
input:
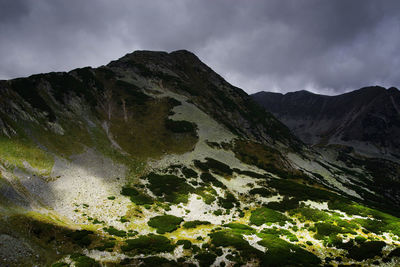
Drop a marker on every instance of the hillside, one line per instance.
(367, 119)
(154, 159)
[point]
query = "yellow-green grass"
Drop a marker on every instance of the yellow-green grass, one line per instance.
(15, 151)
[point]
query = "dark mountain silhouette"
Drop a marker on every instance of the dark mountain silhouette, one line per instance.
(367, 119)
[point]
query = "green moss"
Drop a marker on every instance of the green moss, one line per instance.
(189, 173)
(300, 191)
(325, 229)
(83, 261)
(215, 166)
(310, 214)
(205, 259)
(106, 246)
(285, 204)
(229, 201)
(366, 250)
(250, 173)
(194, 224)
(60, 264)
(229, 238)
(113, 231)
(207, 195)
(280, 232)
(186, 243)
(149, 244)
(360, 239)
(111, 197)
(282, 253)
(158, 261)
(81, 237)
(169, 188)
(240, 228)
(210, 179)
(123, 219)
(96, 221)
(261, 191)
(394, 253)
(218, 212)
(165, 223)
(136, 197)
(264, 215)
(381, 222)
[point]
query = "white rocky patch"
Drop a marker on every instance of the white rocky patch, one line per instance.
(208, 130)
(239, 183)
(104, 256)
(82, 186)
(316, 205)
(253, 239)
(198, 210)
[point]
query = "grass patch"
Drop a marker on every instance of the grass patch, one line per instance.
(136, 197)
(265, 215)
(113, 231)
(282, 253)
(16, 150)
(148, 244)
(194, 224)
(81, 237)
(169, 188)
(240, 228)
(366, 250)
(83, 261)
(213, 165)
(261, 191)
(280, 232)
(186, 243)
(165, 223)
(157, 261)
(205, 258)
(106, 246)
(310, 214)
(210, 179)
(189, 173)
(229, 201)
(284, 205)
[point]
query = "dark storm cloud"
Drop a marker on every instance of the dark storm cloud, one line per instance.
(323, 46)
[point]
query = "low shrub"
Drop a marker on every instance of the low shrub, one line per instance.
(264, 215)
(165, 223)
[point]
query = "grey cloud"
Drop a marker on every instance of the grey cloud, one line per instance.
(323, 46)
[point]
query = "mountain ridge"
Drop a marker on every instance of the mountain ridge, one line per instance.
(368, 116)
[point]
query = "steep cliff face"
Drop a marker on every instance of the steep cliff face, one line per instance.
(154, 159)
(367, 119)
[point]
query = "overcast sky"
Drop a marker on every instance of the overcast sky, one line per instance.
(275, 45)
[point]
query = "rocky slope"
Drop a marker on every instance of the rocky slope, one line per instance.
(367, 119)
(154, 159)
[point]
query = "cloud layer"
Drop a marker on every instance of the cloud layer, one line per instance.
(321, 46)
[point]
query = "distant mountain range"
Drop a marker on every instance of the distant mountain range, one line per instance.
(367, 119)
